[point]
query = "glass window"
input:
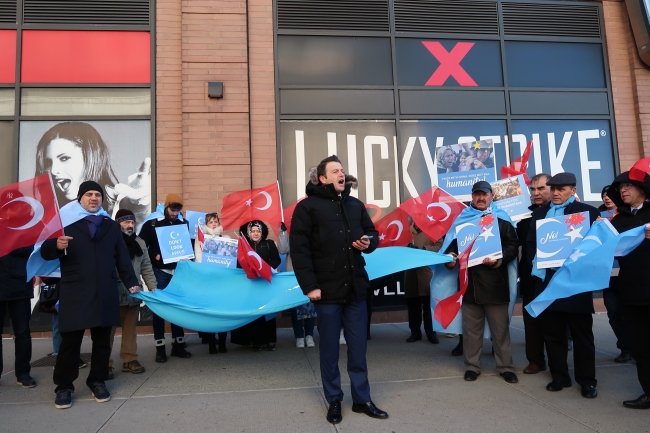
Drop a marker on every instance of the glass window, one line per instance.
(7, 100)
(7, 166)
(554, 64)
(85, 102)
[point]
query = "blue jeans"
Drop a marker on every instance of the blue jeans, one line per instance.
(56, 335)
(163, 279)
(298, 330)
(19, 312)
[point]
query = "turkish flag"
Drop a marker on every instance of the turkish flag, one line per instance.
(394, 229)
(200, 237)
(640, 169)
(29, 214)
(446, 310)
(433, 211)
(251, 262)
(519, 165)
(252, 204)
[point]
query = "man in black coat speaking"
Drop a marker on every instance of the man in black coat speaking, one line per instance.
(329, 231)
(89, 253)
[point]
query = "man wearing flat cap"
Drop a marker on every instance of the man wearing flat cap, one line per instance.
(92, 253)
(573, 312)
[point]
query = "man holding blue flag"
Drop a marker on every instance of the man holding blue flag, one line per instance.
(631, 195)
(574, 311)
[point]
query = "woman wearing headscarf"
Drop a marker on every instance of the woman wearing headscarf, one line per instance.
(260, 332)
(447, 160)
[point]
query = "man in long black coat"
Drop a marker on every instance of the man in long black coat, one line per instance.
(89, 253)
(329, 231)
(575, 311)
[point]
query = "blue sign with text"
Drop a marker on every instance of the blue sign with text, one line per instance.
(488, 239)
(558, 236)
(195, 219)
(175, 243)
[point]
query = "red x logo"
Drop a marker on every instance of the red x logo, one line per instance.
(449, 63)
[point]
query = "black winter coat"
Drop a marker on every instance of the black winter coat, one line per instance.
(149, 236)
(13, 276)
(526, 282)
(488, 285)
(580, 303)
(323, 227)
(88, 295)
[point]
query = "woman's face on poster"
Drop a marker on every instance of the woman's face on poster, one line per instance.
(482, 155)
(65, 161)
(449, 158)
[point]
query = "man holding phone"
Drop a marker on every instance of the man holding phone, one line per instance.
(329, 231)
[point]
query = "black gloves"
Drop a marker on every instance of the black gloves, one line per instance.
(283, 227)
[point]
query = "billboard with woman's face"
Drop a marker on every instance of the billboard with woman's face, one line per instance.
(114, 153)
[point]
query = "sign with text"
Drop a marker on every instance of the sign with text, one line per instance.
(488, 244)
(460, 166)
(558, 236)
(195, 219)
(512, 196)
(175, 243)
(220, 252)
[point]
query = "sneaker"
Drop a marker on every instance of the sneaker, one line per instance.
(270, 347)
(300, 343)
(26, 381)
(342, 339)
(310, 341)
(82, 363)
(111, 373)
(101, 394)
(132, 367)
(63, 399)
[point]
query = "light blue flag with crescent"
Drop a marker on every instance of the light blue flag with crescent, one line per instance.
(158, 214)
(217, 299)
(590, 264)
(445, 282)
(70, 214)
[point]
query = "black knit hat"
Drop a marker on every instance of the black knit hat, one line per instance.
(124, 215)
(89, 185)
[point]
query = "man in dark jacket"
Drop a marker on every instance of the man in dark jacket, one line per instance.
(540, 194)
(634, 288)
(15, 295)
(89, 253)
(164, 273)
(574, 311)
(488, 296)
(329, 231)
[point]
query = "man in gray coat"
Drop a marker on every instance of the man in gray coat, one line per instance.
(130, 306)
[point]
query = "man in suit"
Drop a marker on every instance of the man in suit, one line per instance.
(574, 311)
(90, 252)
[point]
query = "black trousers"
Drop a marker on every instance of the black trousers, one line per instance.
(419, 310)
(66, 369)
(615, 314)
(532, 330)
(554, 326)
(637, 319)
(19, 312)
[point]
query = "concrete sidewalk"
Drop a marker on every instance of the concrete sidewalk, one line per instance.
(420, 385)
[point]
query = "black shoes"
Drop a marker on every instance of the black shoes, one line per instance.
(161, 356)
(26, 381)
(222, 346)
(178, 349)
(458, 350)
(413, 338)
(369, 409)
(433, 338)
(63, 399)
(509, 377)
(270, 347)
(557, 385)
(82, 363)
(589, 391)
(111, 373)
(100, 393)
(642, 402)
(471, 375)
(625, 356)
(212, 348)
(334, 412)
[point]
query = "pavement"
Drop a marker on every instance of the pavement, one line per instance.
(419, 384)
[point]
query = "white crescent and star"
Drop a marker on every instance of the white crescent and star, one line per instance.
(443, 206)
(574, 233)
(576, 255)
(487, 233)
(173, 235)
(546, 221)
(256, 257)
(36, 206)
(269, 200)
(543, 255)
(592, 238)
(400, 228)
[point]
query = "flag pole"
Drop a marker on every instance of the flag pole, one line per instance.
(277, 182)
(58, 209)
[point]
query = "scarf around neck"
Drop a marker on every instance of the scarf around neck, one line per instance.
(132, 245)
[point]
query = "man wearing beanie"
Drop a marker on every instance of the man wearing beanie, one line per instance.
(89, 253)
(163, 273)
(129, 306)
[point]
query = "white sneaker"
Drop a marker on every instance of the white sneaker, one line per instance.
(342, 339)
(300, 343)
(310, 341)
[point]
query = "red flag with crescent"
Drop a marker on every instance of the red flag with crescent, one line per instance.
(261, 204)
(519, 165)
(251, 262)
(29, 214)
(394, 229)
(433, 211)
(446, 310)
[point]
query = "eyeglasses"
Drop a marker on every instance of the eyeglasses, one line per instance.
(625, 185)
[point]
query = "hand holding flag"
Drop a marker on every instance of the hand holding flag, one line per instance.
(251, 262)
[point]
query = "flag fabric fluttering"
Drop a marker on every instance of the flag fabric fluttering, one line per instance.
(394, 229)
(200, 237)
(29, 214)
(251, 262)
(288, 214)
(434, 211)
(446, 310)
(262, 204)
(640, 169)
(519, 165)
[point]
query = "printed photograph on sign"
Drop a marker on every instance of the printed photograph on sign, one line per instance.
(115, 154)
(558, 236)
(220, 252)
(512, 196)
(460, 166)
(488, 239)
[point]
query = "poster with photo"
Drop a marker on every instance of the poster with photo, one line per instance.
(114, 153)
(459, 166)
(512, 196)
(220, 252)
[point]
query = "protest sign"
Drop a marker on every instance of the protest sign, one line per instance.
(460, 166)
(488, 239)
(195, 219)
(175, 243)
(512, 196)
(220, 252)
(557, 236)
